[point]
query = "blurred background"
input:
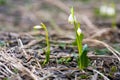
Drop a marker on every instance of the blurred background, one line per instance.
(22, 15)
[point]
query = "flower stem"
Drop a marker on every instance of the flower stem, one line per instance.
(47, 52)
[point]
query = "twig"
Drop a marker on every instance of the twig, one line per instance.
(33, 42)
(101, 74)
(17, 64)
(94, 77)
(100, 33)
(6, 68)
(47, 76)
(2, 72)
(106, 45)
(115, 50)
(20, 44)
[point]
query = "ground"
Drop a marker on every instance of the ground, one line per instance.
(22, 49)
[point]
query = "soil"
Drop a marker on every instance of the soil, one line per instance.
(22, 50)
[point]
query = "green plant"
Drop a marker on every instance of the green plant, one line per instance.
(47, 51)
(6, 78)
(83, 76)
(82, 57)
(3, 2)
(15, 70)
(113, 69)
(2, 44)
(64, 60)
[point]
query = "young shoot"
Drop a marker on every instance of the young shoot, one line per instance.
(47, 51)
(82, 56)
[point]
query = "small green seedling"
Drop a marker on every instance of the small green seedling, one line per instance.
(47, 51)
(15, 70)
(112, 71)
(82, 57)
(64, 60)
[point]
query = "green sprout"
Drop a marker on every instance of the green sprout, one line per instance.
(47, 51)
(82, 56)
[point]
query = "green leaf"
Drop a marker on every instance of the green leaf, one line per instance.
(79, 43)
(64, 60)
(2, 43)
(62, 45)
(101, 51)
(83, 76)
(74, 43)
(15, 70)
(47, 57)
(83, 60)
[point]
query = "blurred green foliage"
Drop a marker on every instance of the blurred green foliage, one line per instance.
(3, 2)
(101, 51)
(112, 71)
(5, 78)
(83, 76)
(15, 70)
(64, 60)
(2, 43)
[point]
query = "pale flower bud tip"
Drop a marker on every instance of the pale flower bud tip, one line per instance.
(71, 19)
(103, 9)
(79, 31)
(37, 27)
(110, 11)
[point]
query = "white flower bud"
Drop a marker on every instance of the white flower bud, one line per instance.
(71, 19)
(37, 27)
(79, 31)
(103, 10)
(110, 11)
(107, 10)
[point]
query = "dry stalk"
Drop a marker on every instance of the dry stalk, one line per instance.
(20, 44)
(101, 74)
(95, 76)
(47, 76)
(17, 64)
(106, 45)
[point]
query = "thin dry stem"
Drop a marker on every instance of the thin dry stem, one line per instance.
(101, 74)
(106, 45)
